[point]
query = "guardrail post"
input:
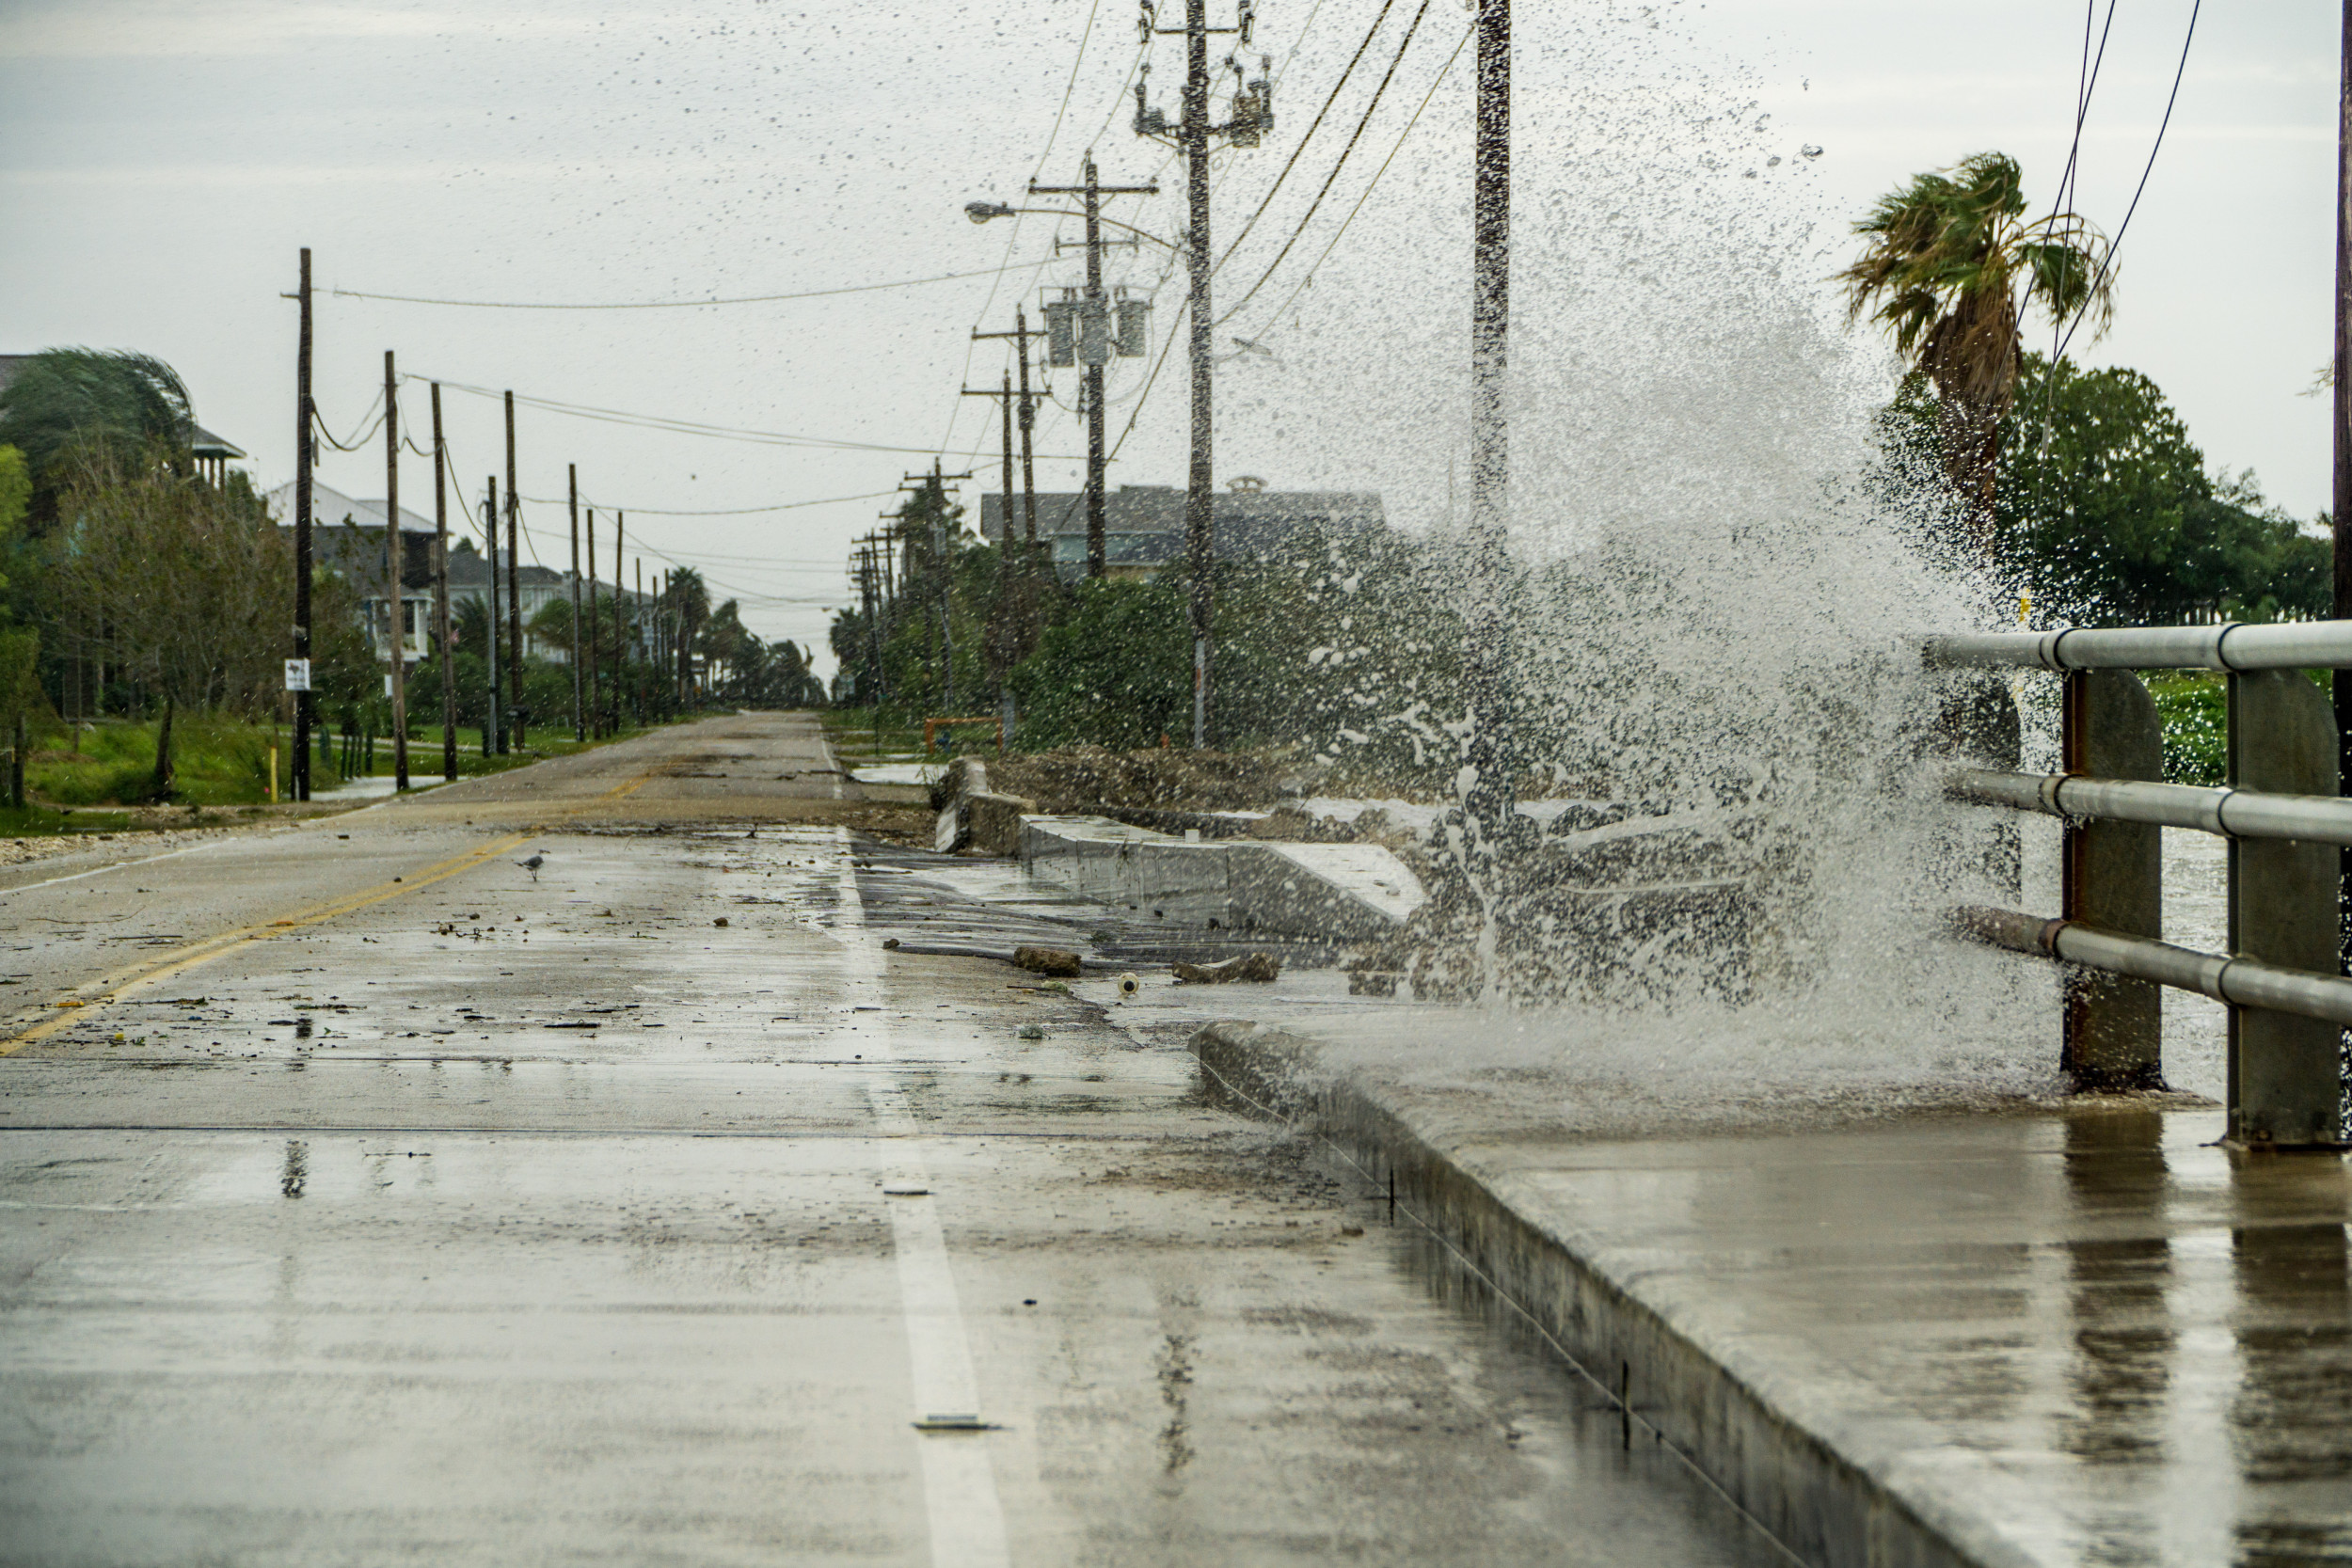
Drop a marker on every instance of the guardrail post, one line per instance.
(2113, 877)
(2283, 1071)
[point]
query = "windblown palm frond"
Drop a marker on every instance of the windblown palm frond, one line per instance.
(1950, 268)
(70, 397)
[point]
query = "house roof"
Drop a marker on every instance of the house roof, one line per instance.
(331, 506)
(1245, 520)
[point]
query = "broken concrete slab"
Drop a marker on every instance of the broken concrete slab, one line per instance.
(1347, 892)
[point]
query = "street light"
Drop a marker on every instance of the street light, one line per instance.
(980, 212)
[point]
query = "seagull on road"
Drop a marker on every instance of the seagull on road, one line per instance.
(532, 866)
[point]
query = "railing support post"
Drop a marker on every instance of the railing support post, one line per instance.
(2284, 1085)
(2114, 878)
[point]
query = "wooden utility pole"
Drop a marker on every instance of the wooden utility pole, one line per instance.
(580, 716)
(305, 453)
(395, 607)
(620, 523)
(493, 731)
(2341, 431)
(1094, 346)
(444, 646)
(596, 710)
(1490, 803)
(513, 586)
(639, 608)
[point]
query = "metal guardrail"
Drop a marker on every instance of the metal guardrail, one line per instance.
(2288, 1007)
(2239, 982)
(2232, 645)
(2230, 812)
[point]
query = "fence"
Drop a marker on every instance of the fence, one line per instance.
(2288, 1002)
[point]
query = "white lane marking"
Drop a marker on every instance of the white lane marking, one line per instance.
(114, 865)
(967, 1520)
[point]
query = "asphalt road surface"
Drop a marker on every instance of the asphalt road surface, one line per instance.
(366, 1197)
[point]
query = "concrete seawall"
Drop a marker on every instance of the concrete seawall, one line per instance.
(1949, 1340)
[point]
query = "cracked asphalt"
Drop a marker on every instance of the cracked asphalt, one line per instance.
(364, 1198)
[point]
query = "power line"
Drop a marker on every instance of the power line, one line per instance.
(1468, 33)
(1296, 152)
(712, 512)
(660, 303)
(1353, 137)
(2107, 262)
(689, 427)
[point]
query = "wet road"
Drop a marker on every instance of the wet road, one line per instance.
(383, 1203)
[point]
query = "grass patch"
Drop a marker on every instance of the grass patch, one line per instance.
(217, 761)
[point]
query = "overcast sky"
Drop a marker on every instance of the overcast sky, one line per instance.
(163, 162)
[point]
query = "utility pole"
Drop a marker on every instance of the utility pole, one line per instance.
(493, 731)
(638, 616)
(579, 721)
(1252, 117)
(1491, 802)
(305, 453)
(934, 492)
(513, 588)
(620, 522)
(1094, 345)
(1000, 639)
(395, 607)
(2342, 443)
(1021, 334)
(441, 595)
(596, 710)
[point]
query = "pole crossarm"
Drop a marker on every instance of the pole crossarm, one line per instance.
(2230, 812)
(2239, 982)
(2232, 645)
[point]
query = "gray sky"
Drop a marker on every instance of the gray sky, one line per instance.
(163, 161)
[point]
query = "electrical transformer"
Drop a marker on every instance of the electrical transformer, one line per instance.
(1134, 333)
(1061, 331)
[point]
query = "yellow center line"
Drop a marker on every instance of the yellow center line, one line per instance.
(99, 993)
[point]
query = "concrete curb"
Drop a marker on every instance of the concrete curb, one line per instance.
(1736, 1423)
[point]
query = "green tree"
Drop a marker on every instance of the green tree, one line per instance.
(1115, 672)
(68, 399)
(2106, 513)
(1950, 268)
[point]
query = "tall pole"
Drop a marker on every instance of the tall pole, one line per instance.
(513, 588)
(493, 731)
(441, 642)
(1090, 330)
(620, 523)
(1008, 580)
(1490, 801)
(596, 710)
(579, 718)
(1094, 347)
(1199, 504)
(305, 453)
(2342, 443)
(639, 607)
(395, 604)
(1028, 425)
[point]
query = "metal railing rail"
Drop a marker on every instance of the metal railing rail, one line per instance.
(2239, 982)
(2230, 812)
(2234, 645)
(2287, 831)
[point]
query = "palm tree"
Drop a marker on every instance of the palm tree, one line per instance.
(1950, 269)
